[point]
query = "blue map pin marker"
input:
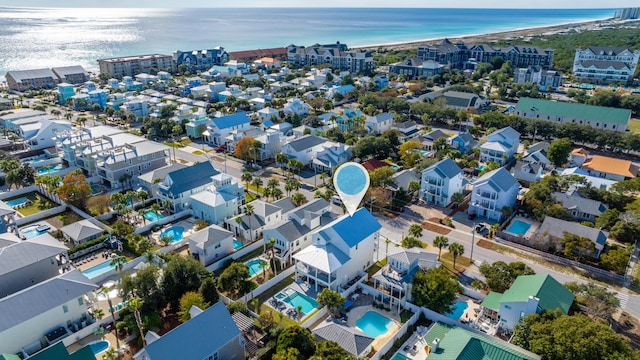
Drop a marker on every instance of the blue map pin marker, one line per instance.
(351, 181)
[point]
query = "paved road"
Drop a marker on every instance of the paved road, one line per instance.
(395, 229)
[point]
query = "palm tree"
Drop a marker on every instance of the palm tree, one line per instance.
(142, 195)
(266, 192)
(246, 177)
(110, 354)
(239, 221)
(135, 305)
(415, 230)
(156, 209)
(276, 193)
(272, 242)
(257, 182)
(249, 210)
(105, 292)
(263, 265)
(273, 183)
(456, 249)
(98, 314)
(413, 187)
(457, 199)
(142, 213)
(298, 199)
(299, 313)
(281, 159)
(440, 242)
(324, 177)
(288, 187)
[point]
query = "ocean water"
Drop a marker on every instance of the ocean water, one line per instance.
(42, 38)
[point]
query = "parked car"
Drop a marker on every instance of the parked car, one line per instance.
(480, 228)
(221, 148)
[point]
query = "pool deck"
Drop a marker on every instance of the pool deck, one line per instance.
(109, 336)
(415, 340)
(91, 260)
(469, 313)
(356, 313)
(530, 231)
(187, 224)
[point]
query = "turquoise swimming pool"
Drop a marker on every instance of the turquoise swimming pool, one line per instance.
(99, 346)
(295, 299)
(254, 266)
(48, 169)
(16, 202)
(237, 244)
(151, 216)
(399, 356)
(518, 227)
(457, 310)
(174, 233)
(34, 230)
(98, 270)
(374, 324)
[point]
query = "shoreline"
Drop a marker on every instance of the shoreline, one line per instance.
(498, 36)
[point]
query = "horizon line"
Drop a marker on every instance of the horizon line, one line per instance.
(307, 7)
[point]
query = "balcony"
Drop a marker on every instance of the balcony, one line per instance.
(487, 195)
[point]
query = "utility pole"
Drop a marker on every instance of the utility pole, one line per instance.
(473, 241)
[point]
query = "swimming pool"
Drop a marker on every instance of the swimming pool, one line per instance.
(48, 169)
(295, 299)
(34, 230)
(519, 227)
(457, 310)
(174, 232)
(98, 270)
(151, 216)
(237, 244)
(98, 346)
(16, 202)
(374, 324)
(254, 266)
(351, 179)
(399, 356)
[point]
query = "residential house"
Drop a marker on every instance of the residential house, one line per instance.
(605, 64)
(251, 226)
(132, 65)
(351, 339)
(219, 128)
(501, 146)
(429, 139)
(545, 79)
(270, 144)
(416, 67)
(40, 315)
(210, 334)
(304, 149)
(596, 182)
(296, 106)
(196, 127)
(8, 118)
(31, 79)
(537, 154)
(379, 123)
(125, 161)
(457, 100)
(220, 201)
(24, 263)
(403, 178)
(210, 244)
(374, 164)
(394, 280)
(7, 218)
(529, 294)
(149, 180)
(267, 113)
(41, 135)
(381, 81)
(267, 63)
(178, 186)
(65, 91)
(610, 168)
(340, 251)
(553, 230)
(455, 342)
(408, 129)
(75, 74)
(580, 207)
(463, 142)
(337, 55)
(293, 231)
(492, 192)
(599, 117)
(578, 156)
(200, 60)
(440, 181)
(527, 172)
(331, 155)
(83, 230)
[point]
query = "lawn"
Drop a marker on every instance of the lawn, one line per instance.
(376, 267)
(39, 203)
(462, 262)
(634, 125)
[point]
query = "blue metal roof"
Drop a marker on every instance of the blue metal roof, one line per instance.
(354, 229)
(190, 177)
(228, 121)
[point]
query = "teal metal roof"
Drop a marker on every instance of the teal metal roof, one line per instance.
(549, 291)
(574, 110)
(492, 301)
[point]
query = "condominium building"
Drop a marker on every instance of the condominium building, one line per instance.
(337, 55)
(31, 79)
(201, 60)
(133, 65)
(605, 64)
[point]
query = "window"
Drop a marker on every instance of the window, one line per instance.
(80, 301)
(216, 246)
(65, 309)
(507, 307)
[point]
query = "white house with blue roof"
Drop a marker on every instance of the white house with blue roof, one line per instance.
(210, 334)
(339, 251)
(220, 201)
(492, 192)
(379, 123)
(440, 181)
(219, 128)
(501, 146)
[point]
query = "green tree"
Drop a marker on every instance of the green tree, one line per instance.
(559, 150)
(181, 274)
(332, 300)
(435, 289)
(287, 354)
(75, 189)
(608, 219)
(298, 199)
(381, 177)
(440, 242)
(136, 304)
(257, 182)
(409, 153)
(457, 199)
(208, 290)
(298, 338)
(456, 250)
(411, 242)
(235, 278)
(189, 299)
(616, 259)
(330, 350)
(500, 275)
(246, 177)
(599, 302)
(415, 230)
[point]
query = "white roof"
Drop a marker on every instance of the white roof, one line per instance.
(327, 258)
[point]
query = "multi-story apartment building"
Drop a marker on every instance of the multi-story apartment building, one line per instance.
(337, 55)
(440, 181)
(536, 75)
(605, 64)
(71, 74)
(133, 65)
(31, 79)
(501, 146)
(463, 56)
(201, 60)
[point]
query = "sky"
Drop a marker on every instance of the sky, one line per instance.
(542, 4)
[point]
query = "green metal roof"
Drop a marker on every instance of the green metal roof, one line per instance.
(574, 110)
(549, 291)
(492, 301)
(59, 352)
(457, 343)
(9, 357)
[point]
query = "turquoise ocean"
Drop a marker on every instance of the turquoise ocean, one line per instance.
(42, 38)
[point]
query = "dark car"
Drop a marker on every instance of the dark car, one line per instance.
(472, 216)
(221, 148)
(480, 228)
